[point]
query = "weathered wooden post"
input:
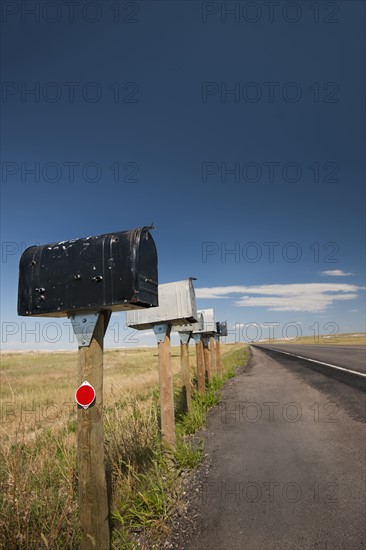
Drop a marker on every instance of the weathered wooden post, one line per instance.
(162, 333)
(81, 279)
(185, 333)
(200, 362)
(185, 370)
(205, 332)
(207, 357)
(201, 385)
(213, 356)
(221, 330)
(218, 357)
(177, 307)
(93, 496)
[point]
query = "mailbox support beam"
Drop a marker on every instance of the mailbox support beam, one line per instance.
(207, 357)
(201, 386)
(185, 370)
(162, 333)
(93, 495)
(218, 356)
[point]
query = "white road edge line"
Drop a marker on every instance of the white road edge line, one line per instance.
(315, 361)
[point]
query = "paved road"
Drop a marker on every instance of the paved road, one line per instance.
(348, 357)
(287, 455)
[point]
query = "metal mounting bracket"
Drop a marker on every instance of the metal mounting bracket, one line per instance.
(84, 325)
(196, 337)
(160, 331)
(185, 336)
(206, 340)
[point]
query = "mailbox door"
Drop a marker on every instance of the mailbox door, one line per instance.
(115, 271)
(146, 269)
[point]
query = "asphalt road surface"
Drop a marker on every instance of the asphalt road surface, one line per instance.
(348, 357)
(285, 466)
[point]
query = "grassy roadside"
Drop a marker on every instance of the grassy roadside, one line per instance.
(38, 477)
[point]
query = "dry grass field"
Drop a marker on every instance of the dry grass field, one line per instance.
(38, 467)
(37, 389)
(351, 339)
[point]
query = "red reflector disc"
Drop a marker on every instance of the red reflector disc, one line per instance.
(85, 395)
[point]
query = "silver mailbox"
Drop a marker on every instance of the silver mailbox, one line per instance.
(209, 324)
(192, 327)
(177, 306)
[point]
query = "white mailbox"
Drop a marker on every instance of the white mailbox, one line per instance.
(177, 306)
(192, 327)
(209, 324)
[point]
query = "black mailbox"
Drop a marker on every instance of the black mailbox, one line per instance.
(114, 272)
(221, 328)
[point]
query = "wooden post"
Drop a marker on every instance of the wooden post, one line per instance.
(185, 370)
(213, 356)
(201, 386)
(166, 393)
(218, 356)
(207, 358)
(93, 497)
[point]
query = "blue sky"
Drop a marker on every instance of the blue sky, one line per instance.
(237, 129)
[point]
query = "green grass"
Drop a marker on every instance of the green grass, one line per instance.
(153, 496)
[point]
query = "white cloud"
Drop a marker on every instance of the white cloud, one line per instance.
(310, 297)
(336, 273)
(218, 291)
